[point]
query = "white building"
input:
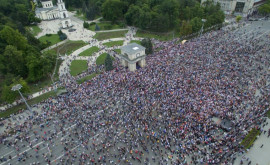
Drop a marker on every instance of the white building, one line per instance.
(243, 7)
(50, 12)
(133, 56)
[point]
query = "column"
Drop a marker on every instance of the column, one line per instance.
(142, 63)
(132, 67)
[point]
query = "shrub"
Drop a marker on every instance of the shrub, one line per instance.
(85, 25)
(48, 35)
(92, 23)
(250, 138)
(122, 25)
(97, 28)
(62, 35)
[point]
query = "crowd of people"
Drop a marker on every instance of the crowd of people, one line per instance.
(160, 114)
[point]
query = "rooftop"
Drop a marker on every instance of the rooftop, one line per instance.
(132, 48)
(38, 10)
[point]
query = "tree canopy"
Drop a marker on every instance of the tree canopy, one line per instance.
(265, 9)
(153, 15)
(108, 63)
(20, 56)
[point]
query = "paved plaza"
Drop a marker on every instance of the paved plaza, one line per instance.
(160, 114)
(53, 26)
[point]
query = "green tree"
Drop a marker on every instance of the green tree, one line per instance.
(12, 61)
(238, 18)
(148, 46)
(265, 8)
(91, 13)
(133, 14)
(186, 28)
(170, 8)
(8, 95)
(85, 25)
(196, 24)
(32, 18)
(62, 35)
(112, 10)
(108, 63)
(13, 37)
(97, 28)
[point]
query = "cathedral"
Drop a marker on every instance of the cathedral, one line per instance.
(50, 12)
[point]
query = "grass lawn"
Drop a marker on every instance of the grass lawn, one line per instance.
(250, 138)
(106, 26)
(101, 59)
(35, 30)
(107, 35)
(81, 17)
(90, 51)
(89, 77)
(53, 38)
(162, 37)
(69, 47)
(136, 41)
(268, 114)
(117, 51)
(114, 43)
(77, 67)
(33, 101)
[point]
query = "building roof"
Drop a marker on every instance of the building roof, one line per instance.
(45, 0)
(132, 48)
(39, 10)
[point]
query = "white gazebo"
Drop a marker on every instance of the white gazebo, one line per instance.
(133, 55)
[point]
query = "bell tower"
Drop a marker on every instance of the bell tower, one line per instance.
(63, 14)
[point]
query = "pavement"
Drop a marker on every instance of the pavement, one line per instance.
(257, 155)
(53, 26)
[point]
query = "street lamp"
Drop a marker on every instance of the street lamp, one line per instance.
(17, 88)
(203, 20)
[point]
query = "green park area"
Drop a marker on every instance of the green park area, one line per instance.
(159, 36)
(51, 38)
(114, 43)
(250, 138)
(136, 41)
(34, 30)
(107, 35)
(117, 51)
(86, 78)
(106, 26)
(101, 59)
(77, 67)
(81, 16)
(90, 51)
(68, 47)
(33, 101)
(268, 114)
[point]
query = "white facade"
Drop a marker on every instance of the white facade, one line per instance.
(235, 6)
(50, 12)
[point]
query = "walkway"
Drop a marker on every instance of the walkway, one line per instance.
(64, 68)
(257, 154)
